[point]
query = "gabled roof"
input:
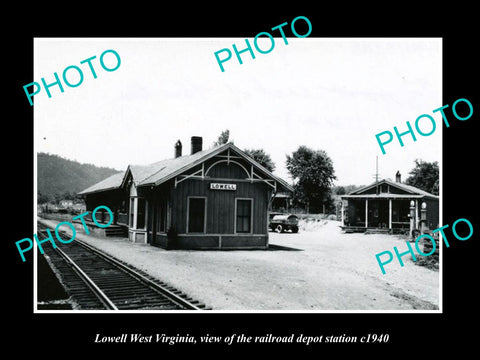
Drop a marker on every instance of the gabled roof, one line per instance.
(413, 192)
(162, 171)
(184, 163)
(168, 169)
(112, 182)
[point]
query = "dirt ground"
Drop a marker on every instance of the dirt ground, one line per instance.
(319, 268)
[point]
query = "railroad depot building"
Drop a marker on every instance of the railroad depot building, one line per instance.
(390, 206)
(210, 199)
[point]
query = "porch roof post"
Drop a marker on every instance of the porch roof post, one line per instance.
(341, 213)
(366, 213)
(389, 213)
(416, 214)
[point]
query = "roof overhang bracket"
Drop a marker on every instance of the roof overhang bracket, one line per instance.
(269, 182)
(198, 174)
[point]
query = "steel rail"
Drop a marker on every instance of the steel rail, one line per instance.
(169, 292)
(178, 300)
(91, 284)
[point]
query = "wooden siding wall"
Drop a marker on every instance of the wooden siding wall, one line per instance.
(232, 171)
(113, 199)
(156, 201)
(220, 205)
(151, 220)
(354, 210)
(393, 189)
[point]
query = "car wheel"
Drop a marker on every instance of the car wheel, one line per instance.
(279, 228)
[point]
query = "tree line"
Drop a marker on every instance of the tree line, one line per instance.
(313, 174)
(61, 179)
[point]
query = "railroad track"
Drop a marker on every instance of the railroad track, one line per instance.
(96, 280)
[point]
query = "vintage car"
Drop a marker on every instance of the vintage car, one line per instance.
(283, 222)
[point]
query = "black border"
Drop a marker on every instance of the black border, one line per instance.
(411, 334)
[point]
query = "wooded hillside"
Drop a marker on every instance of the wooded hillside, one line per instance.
(59, 178)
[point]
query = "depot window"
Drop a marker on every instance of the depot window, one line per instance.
(243, 216)
(196, 219)
(162, 217)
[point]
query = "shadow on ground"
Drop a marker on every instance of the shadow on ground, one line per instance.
(280, 247)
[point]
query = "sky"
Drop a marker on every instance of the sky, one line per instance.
(331, 94)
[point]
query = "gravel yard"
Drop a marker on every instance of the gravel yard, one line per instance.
(319, 268)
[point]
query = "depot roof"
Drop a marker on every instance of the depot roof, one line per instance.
(112, 182)
(162, 171)
(408, 192)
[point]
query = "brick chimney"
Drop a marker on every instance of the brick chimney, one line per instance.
(197, 143)
(398, 177)
(178, 149)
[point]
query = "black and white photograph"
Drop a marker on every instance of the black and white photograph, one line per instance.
(282, 176)
(277, 186)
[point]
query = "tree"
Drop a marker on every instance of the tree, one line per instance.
(223, 138)
(345, 189)
(44, 198)
(425, 176)
(313, 173)
(260, 156)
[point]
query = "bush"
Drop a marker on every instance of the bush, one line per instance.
(430, 262)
